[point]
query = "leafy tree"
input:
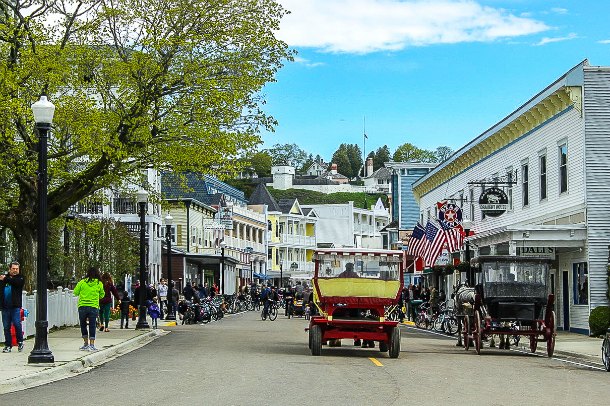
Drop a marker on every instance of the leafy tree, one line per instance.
(380, 157)
(261, 162)
(288, 154)
(136, 85)
(104, 243)
(348, 158)
(409, 152)
(341, 159)
(442, 154)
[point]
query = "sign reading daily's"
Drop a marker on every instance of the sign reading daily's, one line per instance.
(493, 202)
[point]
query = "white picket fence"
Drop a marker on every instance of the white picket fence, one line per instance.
(62, 310)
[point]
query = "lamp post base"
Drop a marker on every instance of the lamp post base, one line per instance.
(41, 354)
(142, 322)
(171, 312)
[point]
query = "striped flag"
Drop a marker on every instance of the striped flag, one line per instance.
(455, 238)
(417, 242)
(436, 239)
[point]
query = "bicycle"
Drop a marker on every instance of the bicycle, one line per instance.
(272, 311)
(423, 319)
(606, 351)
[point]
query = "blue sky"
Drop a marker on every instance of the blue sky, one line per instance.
(432, 73)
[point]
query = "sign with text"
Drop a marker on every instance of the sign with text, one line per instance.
(493, 202)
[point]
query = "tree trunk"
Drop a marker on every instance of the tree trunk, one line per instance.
(26, 248)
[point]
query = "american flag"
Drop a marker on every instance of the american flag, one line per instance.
(455, 238)
(436, 240)
(417, 241)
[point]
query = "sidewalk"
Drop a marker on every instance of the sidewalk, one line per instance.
(16, 374)
(566, 344)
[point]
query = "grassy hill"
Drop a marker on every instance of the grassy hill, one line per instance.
(361, 200)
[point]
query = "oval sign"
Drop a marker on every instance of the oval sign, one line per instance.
(493, 202)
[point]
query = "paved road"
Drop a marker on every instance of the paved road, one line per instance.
(242, 360)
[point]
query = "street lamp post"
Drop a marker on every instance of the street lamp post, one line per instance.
(223, 245)
(43, 115)
(171, 312)
(281, 276)
(142, 199)
(467, 225)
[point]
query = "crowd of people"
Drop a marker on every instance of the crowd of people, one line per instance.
(413, 295)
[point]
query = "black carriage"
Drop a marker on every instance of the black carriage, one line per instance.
(512, 299)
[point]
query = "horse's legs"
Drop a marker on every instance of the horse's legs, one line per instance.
(459, 331)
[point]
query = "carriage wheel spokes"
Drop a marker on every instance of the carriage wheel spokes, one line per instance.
(466, 331)
(606, 352)
(551, 333)
(477, 332)
(534, 337)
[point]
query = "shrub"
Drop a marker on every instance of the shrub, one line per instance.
(599, 320)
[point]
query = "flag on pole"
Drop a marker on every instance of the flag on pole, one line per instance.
(417, 242)
(436, 239)
(455, 238)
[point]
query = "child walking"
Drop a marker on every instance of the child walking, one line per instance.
(125, 303)
(154, 312)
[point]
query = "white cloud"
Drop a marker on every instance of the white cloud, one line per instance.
(604, 41)
(363, 26)
(559, 10)
(307, 62)
(547, 40)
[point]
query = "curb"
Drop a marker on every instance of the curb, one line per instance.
(71, 368)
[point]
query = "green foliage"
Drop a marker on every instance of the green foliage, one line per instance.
(261, 162)
(361, 200)
(409, 152)
(442, 154)
(463, 266)
(167, 85)
(380, 157)
(288, 154)
(599, 320)
(348, 159)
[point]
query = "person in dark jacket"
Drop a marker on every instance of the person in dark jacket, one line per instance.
(106, 302)
(188, 292)
(11, 288)
(125, 303)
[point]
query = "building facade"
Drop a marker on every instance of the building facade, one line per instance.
(550, 159)
(343, 225)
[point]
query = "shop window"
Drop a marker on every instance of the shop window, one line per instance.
(563, 168)
(581, 283)
(525, 192)
(542, 164)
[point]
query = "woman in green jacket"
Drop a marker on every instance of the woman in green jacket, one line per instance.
(89, 291)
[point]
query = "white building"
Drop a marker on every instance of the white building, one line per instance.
(343, 225)
(551, 157)
(121, 205)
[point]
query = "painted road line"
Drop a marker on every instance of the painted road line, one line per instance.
(376, 362)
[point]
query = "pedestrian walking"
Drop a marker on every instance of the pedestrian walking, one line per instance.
(163, 289)
(11, 288)
(89, 291)
(125, 304)
(154, 312)
(106, 302)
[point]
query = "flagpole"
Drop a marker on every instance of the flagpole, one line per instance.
(364, 147)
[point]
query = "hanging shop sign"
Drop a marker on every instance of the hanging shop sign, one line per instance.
(449, 215)
(493, 202)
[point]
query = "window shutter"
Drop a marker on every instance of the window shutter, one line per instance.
(179, 226)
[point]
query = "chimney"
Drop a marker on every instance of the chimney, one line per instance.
(369, 167)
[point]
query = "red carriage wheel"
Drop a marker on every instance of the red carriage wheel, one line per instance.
(550, 334)
(466, 332)
(477, 332)
(534, 336)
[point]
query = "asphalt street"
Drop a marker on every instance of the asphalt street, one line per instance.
(242, 360)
